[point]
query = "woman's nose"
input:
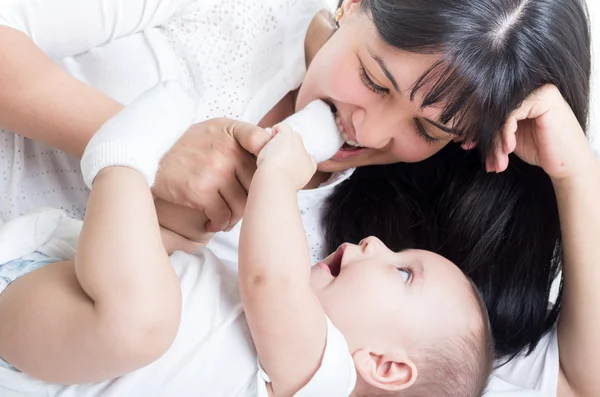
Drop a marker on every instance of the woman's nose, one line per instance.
(372, 131)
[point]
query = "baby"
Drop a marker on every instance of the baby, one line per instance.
(364, 322)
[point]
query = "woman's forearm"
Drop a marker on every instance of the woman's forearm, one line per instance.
(42, 102)
(579, 324)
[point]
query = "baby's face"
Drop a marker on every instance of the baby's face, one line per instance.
(379, 297)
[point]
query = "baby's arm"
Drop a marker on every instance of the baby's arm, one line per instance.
(117, 306)
(37, 98)
(287, 322)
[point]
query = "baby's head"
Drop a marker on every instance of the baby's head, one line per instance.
(414, 323)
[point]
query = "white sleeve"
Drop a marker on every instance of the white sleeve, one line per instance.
(336, 377)
(64, 28)
(535, 375)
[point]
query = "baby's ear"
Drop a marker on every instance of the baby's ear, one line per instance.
(389, 373)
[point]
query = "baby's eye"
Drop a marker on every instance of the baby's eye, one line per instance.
(406, 274)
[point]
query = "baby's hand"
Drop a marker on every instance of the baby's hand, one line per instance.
(285, 153)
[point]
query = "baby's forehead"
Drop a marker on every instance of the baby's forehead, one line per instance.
(435, 266)
(438, 278)
(446, 286)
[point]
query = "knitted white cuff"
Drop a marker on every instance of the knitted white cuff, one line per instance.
(116, 154)
(139, 135)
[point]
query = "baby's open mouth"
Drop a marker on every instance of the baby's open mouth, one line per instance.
(335, 265)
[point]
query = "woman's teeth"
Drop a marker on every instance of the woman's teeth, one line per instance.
(344, 134)
(340, 127)
(351, 142)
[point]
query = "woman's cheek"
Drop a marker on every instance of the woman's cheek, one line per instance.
(344, 81)
(341, 91)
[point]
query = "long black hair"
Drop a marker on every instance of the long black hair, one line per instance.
(501, 229)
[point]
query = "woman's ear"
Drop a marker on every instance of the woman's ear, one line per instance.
(347, 8)
(386, 373)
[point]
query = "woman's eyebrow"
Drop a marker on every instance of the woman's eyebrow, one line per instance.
(384, 69)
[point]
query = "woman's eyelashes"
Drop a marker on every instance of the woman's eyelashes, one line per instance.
(423, 134)
(406, 273)
(382, 91)
(379, 90)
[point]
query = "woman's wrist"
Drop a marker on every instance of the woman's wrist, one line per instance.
(585, 170)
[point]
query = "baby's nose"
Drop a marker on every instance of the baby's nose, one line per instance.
(370, 243)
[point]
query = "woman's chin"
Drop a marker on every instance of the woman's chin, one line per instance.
(341, 161)
(344, 160)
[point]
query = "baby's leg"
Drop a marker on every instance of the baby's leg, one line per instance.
(114, 310)
(117, 306)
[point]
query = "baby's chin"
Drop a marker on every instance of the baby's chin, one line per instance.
(320, 277)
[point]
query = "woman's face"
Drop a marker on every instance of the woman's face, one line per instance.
(369, 83)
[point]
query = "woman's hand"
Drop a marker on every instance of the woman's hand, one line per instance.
(544, 131)
(187, 223)
(210, 169)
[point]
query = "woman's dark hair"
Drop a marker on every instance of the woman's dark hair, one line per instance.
(501, 229)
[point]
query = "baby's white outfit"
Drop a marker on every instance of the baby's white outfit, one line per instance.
(213, 353)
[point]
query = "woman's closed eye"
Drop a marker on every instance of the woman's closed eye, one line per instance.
(382, 91)
(406, 273)
(376, 88)
(430, 140)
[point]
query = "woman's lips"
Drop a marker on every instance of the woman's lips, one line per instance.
(347, 152)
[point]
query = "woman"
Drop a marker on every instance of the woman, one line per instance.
(481, 60)
(494, 226)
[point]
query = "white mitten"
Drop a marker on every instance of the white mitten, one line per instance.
(139, 135)
(320, 134)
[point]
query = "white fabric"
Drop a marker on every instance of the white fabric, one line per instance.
(241, 55)
(45, 230)
(594, 121)
(533, 376)
(336, 377)
(158, 117)
(213, 353)
(63, 28)
(320, 134)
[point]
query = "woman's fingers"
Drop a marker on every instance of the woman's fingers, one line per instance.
(249, 136)
(507, 141)
(245, 171)
(235, 195)
(218, 212)
(468, 145)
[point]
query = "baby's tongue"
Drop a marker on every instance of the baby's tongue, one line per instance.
(320, 134)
